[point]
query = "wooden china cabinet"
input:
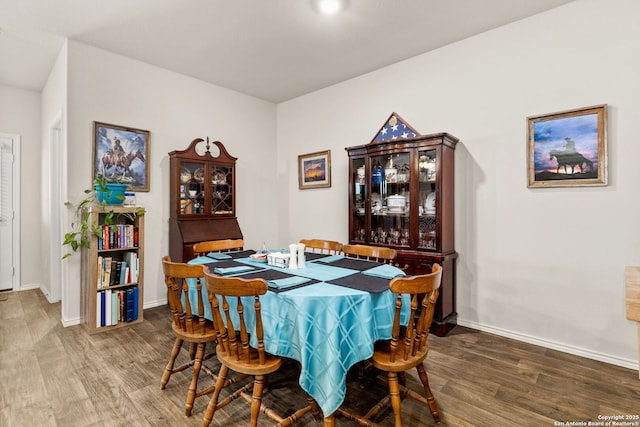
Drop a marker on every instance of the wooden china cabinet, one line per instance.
(203, 197)
(401, 195)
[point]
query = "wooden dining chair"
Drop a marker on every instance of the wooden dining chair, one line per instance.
(407, 347)
(234, 351)
(225, 245)
(329, 247)
(374, 253)
(188, 324)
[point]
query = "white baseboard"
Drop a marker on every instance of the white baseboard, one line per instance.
(157, 303)
(70, 322)
(577, 351)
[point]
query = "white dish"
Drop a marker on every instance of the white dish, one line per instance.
(258, 257)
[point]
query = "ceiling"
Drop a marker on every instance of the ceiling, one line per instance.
(275, 50)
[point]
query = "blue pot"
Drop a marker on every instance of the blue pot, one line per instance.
(114, 194)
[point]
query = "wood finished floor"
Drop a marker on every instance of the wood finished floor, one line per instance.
(55, 376)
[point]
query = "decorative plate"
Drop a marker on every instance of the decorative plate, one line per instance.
(199, 175)
(185, 175)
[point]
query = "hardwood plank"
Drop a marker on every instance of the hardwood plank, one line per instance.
(55, 376)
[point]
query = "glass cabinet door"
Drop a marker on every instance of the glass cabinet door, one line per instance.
(389, 202)
(427, 231)
(192, 188)
(358, 198)
(221, 190)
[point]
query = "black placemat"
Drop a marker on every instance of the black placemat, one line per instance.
(275, 275)
(241, 254)
(354, 264)
(225, 263)
(311, 256)
(362, 282)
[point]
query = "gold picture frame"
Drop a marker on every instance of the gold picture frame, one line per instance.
(568, 148)
(314, 170)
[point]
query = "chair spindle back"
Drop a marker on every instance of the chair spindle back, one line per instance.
(185, 318)
(416, 334)
(374, 253)
(225, 245)
(226, 299)
(329, 247)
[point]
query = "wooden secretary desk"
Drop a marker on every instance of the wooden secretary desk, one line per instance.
(203, 197)
(401, 195)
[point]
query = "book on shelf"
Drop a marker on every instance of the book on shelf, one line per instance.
(107, 272)
(115, 278)
(107, 307)
(123, 272)
(115, 307)
(131, 258)
(132, 304)
(102, 313)
(98, 309)
(100, 272)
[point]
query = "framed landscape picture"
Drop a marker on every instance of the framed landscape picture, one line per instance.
(568, 149)
(121, 155)
(314, 170)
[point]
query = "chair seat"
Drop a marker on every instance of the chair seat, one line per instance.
(381, 359)
(239, 364)
(198, 335)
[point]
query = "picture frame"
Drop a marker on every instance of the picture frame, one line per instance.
(568, 148)
(314, 170)
(121, 155)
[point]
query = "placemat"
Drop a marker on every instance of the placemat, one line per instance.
(354, 264)
(232, 271)
(218, 255)
(362, 282)
(311, 256)
(224, 264)
(241, 254)
(275, 275)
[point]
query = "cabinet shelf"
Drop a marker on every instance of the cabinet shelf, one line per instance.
(118, 286)
(128, 249)
(110, 303)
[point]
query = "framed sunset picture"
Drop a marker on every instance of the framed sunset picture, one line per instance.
(314, 170)
(568, 149)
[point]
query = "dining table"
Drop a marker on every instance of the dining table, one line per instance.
(327, 315)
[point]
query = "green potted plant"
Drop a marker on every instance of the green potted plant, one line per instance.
(110, 190)
(103, 193)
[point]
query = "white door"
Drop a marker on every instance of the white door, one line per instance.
(8, 233)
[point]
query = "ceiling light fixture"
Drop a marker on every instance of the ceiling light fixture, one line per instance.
(330, 7)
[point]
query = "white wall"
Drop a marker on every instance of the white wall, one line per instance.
(54, 107)
(176, 109)
(542, 265)
(20, 115)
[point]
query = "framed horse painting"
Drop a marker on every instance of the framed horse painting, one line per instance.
(568, 148)
(121, 155)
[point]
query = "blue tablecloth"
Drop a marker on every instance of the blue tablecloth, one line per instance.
(326, 327)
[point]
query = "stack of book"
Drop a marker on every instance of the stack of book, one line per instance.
(117, 305)
(118, 236)
(117, 272)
